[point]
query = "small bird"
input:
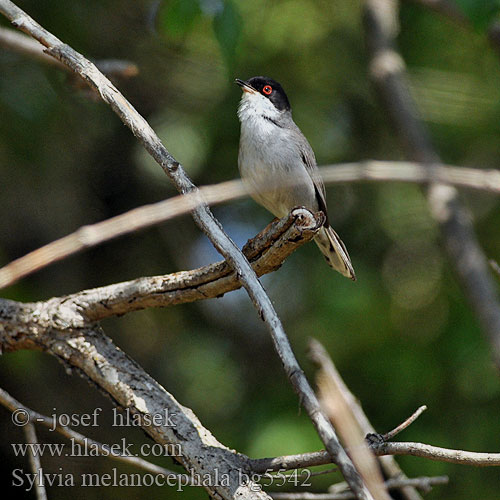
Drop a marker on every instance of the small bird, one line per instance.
(273, 152)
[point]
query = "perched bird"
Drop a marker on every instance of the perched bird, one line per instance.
(278, 164)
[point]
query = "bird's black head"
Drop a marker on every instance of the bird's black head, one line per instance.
(268, 88)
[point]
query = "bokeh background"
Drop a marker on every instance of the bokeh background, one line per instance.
(402, 335)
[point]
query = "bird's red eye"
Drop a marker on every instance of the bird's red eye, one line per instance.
(267, 89)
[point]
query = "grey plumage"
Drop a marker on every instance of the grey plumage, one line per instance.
(273, 151)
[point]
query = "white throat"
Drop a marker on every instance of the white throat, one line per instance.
(254, 107)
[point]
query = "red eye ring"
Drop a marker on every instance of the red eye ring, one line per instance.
(267, 89)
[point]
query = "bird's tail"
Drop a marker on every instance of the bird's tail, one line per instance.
(335, 252)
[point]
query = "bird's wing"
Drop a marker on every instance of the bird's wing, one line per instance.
(309, 160)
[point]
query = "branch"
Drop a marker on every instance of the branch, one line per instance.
(387, 69)
(266, 252)
(435, 453)
(92, 353)
(388, 464)
(32, 417)
(156, 213)
(338, 410)
(34, 458)
(207, 223)
(422, 483)
(290, 462)
(404, 425)
(494, 265)
(25, 45)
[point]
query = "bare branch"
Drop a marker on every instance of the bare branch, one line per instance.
(290, 462)
(266, 252)
(422, 483)
(382, 449)
(34, 458)
(34, 417)
(388, 464)
(436, 453)
(404, 425)
(494, 265)
(93, 354)
(387, 69)
(25, 45)
(156, 213)
(338, 410)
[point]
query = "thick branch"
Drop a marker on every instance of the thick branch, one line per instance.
(95, 355)
(266, 252)
(388, 72)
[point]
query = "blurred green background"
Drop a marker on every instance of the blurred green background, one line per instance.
(401, 336)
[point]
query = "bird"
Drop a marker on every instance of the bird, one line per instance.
(278, 166)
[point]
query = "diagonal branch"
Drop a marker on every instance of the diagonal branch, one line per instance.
(25, 45)
(336, 404)
(93, 354)
(207, 223)
(35, 462)
(266, 252)
(32, 416)
(388, 73)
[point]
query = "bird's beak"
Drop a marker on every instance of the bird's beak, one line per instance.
(246, 87)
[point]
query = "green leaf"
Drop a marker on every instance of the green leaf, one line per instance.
(480, 13)
(227, 26)
(179, 16)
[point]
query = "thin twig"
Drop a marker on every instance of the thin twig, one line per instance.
(436, 453)
(25, 45)
(387, 69)
(207, 223)
(401, 427)
(156, 213)
(388, 464)
(381, 449)
(494, 265)
(35, 463)
(33, 417)
(424, 483)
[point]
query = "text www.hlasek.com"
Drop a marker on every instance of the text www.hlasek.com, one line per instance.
(88, 448)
